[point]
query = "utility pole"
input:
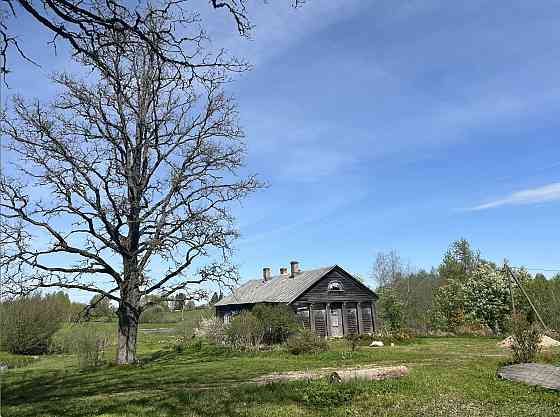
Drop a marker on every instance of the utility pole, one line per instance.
(520, 285)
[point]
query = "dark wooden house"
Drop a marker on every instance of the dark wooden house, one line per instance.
(329, 300)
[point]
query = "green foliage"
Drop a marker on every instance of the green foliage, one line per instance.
(28, 323)
(390, 308)
(155, 310)
(87, 341)
(179, 302)
(399, 337)
(545, 294)
(456, 378)
(449, 306)
(278, 321)
(487, 297)
(213, 329)
(458, 262)
(526, 340)
(323, 394)
(353, 340)
(245, 331)
(306, 342)
(89, 346)
(102, 308)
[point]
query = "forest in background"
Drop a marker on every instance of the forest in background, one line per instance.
(464, 294)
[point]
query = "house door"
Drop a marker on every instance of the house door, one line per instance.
(335, 321)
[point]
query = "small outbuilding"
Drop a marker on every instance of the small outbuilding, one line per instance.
(328, 301)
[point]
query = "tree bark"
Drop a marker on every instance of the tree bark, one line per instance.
(127, 334)
(128, 313)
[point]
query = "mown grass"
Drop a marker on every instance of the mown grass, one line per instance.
(449, 377)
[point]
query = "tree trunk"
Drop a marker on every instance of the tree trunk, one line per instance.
(128, 313)
(127, 333)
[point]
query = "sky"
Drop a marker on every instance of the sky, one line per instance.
(384, 125)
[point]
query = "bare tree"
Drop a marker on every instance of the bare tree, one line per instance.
(387, 268)
(78, 23)
(123, 184)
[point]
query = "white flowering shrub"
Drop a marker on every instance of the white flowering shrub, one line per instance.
(487, 298)
(212, 328)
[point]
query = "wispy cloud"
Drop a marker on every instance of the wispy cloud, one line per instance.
(550, 192)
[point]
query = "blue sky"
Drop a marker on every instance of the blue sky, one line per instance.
(390, 125)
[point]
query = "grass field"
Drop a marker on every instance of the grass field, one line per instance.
(449, 377)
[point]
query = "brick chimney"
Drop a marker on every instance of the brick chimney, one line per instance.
(294, 268)
(266, 274)
(283, 271)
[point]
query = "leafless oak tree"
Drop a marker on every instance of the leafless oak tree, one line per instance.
(122, 184)
(79, 22)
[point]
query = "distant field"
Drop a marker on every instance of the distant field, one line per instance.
(449, 377)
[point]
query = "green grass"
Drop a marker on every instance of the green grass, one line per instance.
(449, 377)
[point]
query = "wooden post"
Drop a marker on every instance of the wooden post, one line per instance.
(359, 317)
(327, 319)
(311, 318)
(344, 321)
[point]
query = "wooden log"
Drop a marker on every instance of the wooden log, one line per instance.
(337, 374)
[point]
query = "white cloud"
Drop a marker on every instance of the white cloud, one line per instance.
(546, 193)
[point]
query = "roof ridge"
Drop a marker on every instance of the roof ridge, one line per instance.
(279, 288)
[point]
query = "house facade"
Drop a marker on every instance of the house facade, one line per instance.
(328, 301)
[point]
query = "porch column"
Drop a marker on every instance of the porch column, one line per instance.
(344, 321)
(311, 318)
(359, 317)
(328, 319)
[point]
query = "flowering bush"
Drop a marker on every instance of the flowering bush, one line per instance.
(487, 297)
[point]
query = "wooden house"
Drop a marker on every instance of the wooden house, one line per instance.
(329, 300)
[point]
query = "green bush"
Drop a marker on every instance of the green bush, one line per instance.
(245, 331)
(306, 342)
(390, 308)
(28, 323)
(278, 322)
(526, 340)
(324, 394)
(90, 347)
(85, 340)
(213, 328)
(402, 336)
(102, 309)
(353, 340)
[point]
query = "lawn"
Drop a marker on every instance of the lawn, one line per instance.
(449, 377)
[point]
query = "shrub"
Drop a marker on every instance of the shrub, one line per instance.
(324, 394)
(401, 336)
(213, 329)
(90, 345)
(391, 309)
(353, 340)
(526, 340)
(278, 322)
(85, 340)
(102, 310)
(306, 342)
(245, 331)
(28, 323)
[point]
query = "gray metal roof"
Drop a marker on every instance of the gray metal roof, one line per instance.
(278, 289)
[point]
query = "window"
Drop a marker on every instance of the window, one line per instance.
(335, 286)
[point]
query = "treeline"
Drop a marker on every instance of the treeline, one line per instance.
(28, 323)
(464, 294)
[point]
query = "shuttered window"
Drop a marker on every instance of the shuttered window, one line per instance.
(367, 324)
(320, 322)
